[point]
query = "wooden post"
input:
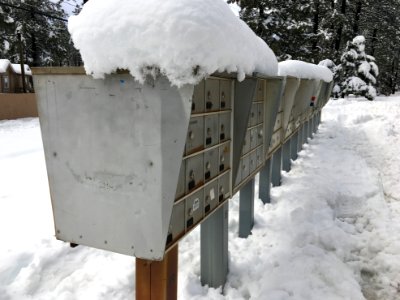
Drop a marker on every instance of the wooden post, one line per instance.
(158, 280)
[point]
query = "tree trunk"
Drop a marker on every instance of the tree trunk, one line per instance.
(357, 18)
(315, 24)
(374, 40)
(340, 29)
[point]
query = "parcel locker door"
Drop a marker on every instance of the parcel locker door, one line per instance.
(238, 178)
(198, 98)
(194, 173)
(212, 95)
(211, 167)
(211, 197)
(224, 127)
(194, 208)
(195, 135)
(225, 95)
(211, 124)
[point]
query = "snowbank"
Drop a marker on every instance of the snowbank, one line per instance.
(185, 40)
(301, 69)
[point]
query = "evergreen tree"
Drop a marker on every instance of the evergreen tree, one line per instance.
(358, 71)
(43, 28)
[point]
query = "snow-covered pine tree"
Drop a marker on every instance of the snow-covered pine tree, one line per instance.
(358, 71)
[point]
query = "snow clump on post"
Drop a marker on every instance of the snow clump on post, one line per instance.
(185, 40)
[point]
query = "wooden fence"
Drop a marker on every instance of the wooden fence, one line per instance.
(14, 106)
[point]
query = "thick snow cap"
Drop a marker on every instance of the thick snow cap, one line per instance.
(301, 69)
(186, 40)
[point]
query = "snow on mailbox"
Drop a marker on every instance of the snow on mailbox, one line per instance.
(136, 160)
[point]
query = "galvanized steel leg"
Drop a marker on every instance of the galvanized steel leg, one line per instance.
(300, 139)
(214, 248)
(265, 183)
(310, 128)
(294, 145)
(246, 209)
(276, 168)
(286, 156)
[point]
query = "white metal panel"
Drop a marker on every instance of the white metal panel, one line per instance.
(113, 149)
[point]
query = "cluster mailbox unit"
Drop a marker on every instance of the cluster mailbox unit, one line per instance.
(133, 167)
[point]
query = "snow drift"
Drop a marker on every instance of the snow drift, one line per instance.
(185, 40)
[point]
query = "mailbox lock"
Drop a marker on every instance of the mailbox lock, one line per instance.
(209, 103)
(222, 135)
(208, 165)
(260, 134)
(192, 182)
(208, 139)
(223, 100)
(222, 158)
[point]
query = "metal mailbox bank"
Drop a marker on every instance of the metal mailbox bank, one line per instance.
(133, 167)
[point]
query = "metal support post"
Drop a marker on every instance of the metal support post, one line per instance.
(286, 156)
(276, 167)
(214, 248)
(315, 123)
(158, 280)
(246, 209)
(300, 139)
(294, 146)
(265, 183)
(310, 127)
(305, 132)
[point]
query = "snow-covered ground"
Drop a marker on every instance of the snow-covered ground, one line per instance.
(332, 231)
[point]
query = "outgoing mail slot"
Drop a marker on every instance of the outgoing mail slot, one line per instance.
(260, 113)
(225, 94)
(211, 125)
(260, 90)
(246, 143)
(212, 95)
(254, 115)
(224, 157)
(278, 122)
(223, 188)
(211, 197)
(180, 190)
(198, 98)
(253, 162)
(211, 167)
(194, 208)
(194, 173)
(253, 138)
(177, 224)
(224, 127)
(195, 135)
(245, 167)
